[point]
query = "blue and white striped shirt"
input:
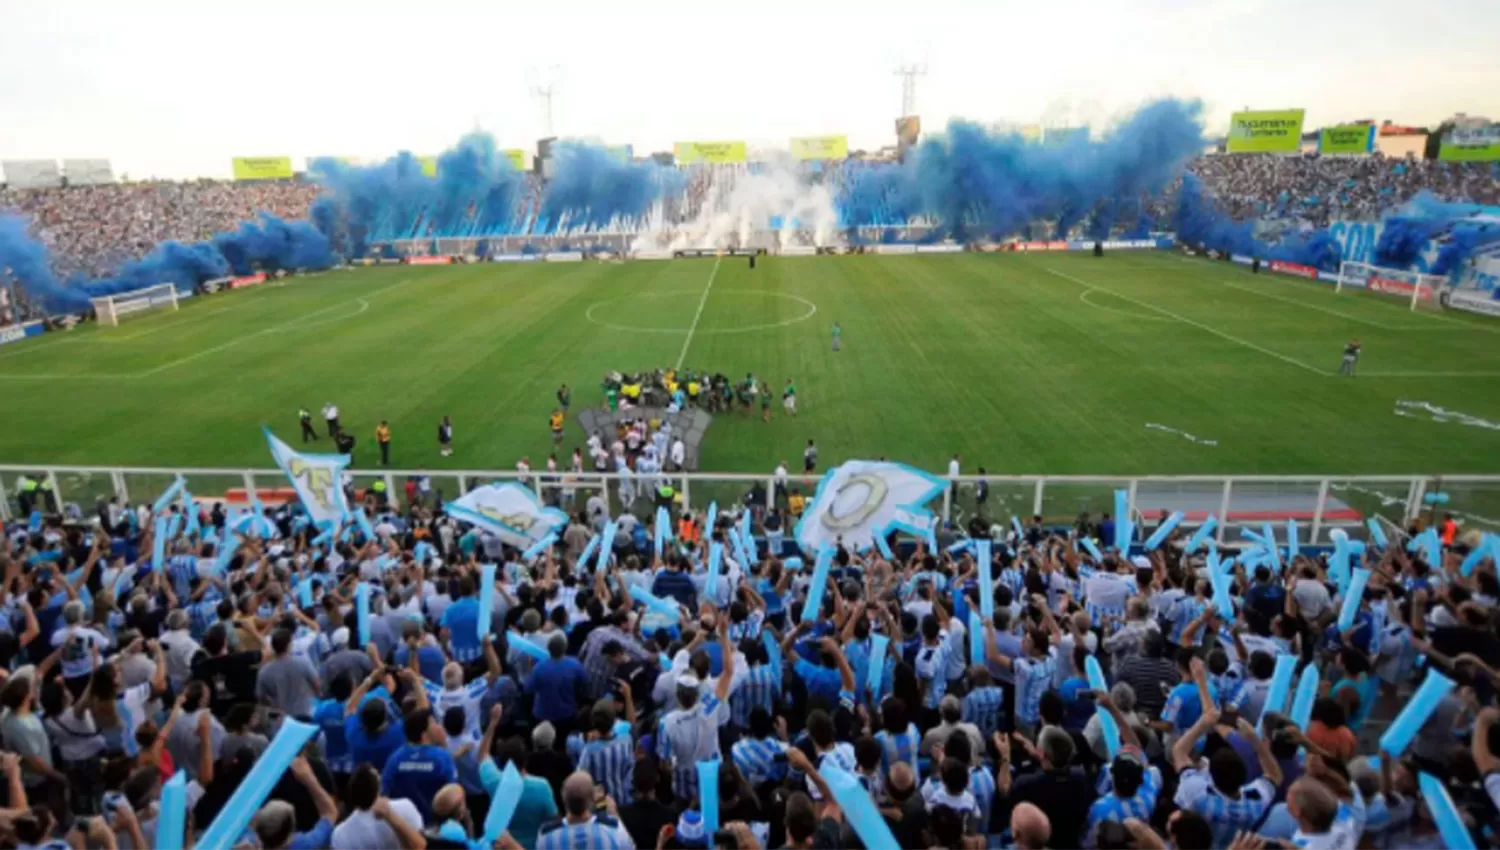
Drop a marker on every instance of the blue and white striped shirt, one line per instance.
(897, 747)
(612, 764)
(1226, 817)
(182, 569)
(756, 690)
(1033, 678)
(757, 759)
(982, 708)
(597, 833)
(1187, 610)
(932, 667)
(1111, 807)
(982, 786)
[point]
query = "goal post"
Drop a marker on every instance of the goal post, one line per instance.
(111, 309)
(1420, 291)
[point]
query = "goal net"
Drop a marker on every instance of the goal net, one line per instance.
(112, 308)
(1421, 291)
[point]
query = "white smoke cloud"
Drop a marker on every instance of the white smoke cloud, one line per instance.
(737, 208)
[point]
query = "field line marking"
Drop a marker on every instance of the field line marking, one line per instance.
(1293, 301)
(1429, 374)
(1199, 325)
(162, 327)
(1084, 297)
(42, 344)
(702, 302)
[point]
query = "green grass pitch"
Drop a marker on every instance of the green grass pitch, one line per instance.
(1041, 363)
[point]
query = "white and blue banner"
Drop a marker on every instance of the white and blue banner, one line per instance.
(318, 480)
(860, 501)
(510, 511)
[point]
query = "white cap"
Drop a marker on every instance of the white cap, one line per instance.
(688, 680)
(340, 636)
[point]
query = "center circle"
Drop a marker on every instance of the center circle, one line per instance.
(812, 309)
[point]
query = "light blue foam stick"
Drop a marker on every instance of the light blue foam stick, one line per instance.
(773, 653)
(1338, 562)
(1292, 549)
(662, 533)
(932, 537)
(1122, 520)
(1218, 579)
(665, 607)
(190, 509)
(1015, 524)
(1307, 693)
(985, 557)
(1431, 546)
(1420, 707)
(1271, 546)
(362, 612)
(1281, 685)
(976, 639)
(174, 525)
(326, 536)
(1088, 543)
(793, 563)
(959, 547)
(507, 797)
(486, 599)
(539, 547)
(713, 517)
(169, 495)
(715, 558)
(1160, 535)
(304, 592)
(227, 828)
(225, 551)
(885, 547)
(878, 646)
(708, 794)
(171, 820)
(746, 532)
(1489, 547)
(1200, 536)
(588, 551)
(745, 546)
(606, 545)
(1444, 814)
(1352, 597)
(1377, 534)
(1253, 537)
(364, 525)
(859, 808)
(159, 544)
(664, 661)
(1107, 723)
(525, 647)
(818, 584)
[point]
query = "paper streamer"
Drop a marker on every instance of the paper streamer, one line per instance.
(885, 547)
(773, 655)
(1307, 693)
(607, 545)
(256, 786)
(1489, 547)
(1160, 535)
(362, 612)
(486, 599)
(858, 807)
(506, 798)
(539, 547)
(159, 544)
(817, 586)
(878, 646)
(171, 819)
(1281, 685)
(169, 496)
(1377, 534)
(666, 607)
(715, 558)
(1122, 520)
(708, 795)
(976, 639)
(983, 554)
(1352, 596)
(1444, 814)
(1411, 719)
(524, 646)
(588, 551)
(1088, 543)
(1201, 535)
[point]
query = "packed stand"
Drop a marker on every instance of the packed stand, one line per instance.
(91, 230)
(611, 675)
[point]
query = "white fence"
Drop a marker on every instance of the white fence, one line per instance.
(1318, 503)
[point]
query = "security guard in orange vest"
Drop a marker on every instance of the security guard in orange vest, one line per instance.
(383, 438)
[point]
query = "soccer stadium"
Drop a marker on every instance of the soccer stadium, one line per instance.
(1126, 482)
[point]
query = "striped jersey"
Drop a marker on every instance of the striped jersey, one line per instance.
(758, 759)
(1033, 678)
(982, 707)
(1188, 609)
(467, 697)
(1196, 792)
(612, 764)
(931, 667)
(757, 689)
(1112, 807)
(599, 832)
(899, 746)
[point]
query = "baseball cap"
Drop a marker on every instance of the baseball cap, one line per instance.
(690, 829)
(340, 636)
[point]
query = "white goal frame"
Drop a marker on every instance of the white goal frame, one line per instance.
(1425, 290)
(110, 309)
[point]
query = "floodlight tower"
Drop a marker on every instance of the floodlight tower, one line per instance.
(909, 75)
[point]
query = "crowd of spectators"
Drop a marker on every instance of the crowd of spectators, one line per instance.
(613, 671)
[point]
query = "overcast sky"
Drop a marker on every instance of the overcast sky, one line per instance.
(174, 88)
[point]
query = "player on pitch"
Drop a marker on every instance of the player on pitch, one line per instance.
(1351, 357)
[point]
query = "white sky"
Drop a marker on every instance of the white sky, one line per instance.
(174, 88)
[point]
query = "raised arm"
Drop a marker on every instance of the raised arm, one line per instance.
(327, 808)
(1269, 767)
(726, 678)
(1182, 750)
(1127, 732)
(846, 673)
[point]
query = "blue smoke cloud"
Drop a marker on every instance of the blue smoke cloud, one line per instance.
(31, 266)
(1198, 221)
(1405, 234)
(594, 189)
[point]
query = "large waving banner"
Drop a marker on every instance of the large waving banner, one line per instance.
(711, 153)
(1267, 131)
(862, 500)
(318, 480)
(1347, 139)
(509, 511)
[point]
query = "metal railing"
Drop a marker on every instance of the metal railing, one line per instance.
(1318, 503)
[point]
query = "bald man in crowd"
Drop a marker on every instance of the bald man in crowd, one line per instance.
(1030, 827)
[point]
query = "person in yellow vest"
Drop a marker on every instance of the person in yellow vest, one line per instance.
(797, 502)
(557, 427)
(383, 438)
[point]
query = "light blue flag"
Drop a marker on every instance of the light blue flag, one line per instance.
(858, 808)
(159, 544)
(227, 828)
(362, 612)
(507, 797)
(1352, 597)
(588, 551)
(1122, 520)
(985, 557)
(1445, 815)
(663, 533)
(364, 525)
(1307, 693)
(708, 794)
(606, 545)
(713, 518)
(773, 655)
(539, 547)
(1281, 686)
(878, 646)
(711, 581)
(486, 599)
(1160, 535)
(817, 586)
(1414, 714)
(976, 640)
(1291, 541)
(190, 508)
(666, 607)
(884, 547)
(524, 646)
(1093, 549)
(1201, 535)
(169, 495)
(1377, 534)
(171, 819)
